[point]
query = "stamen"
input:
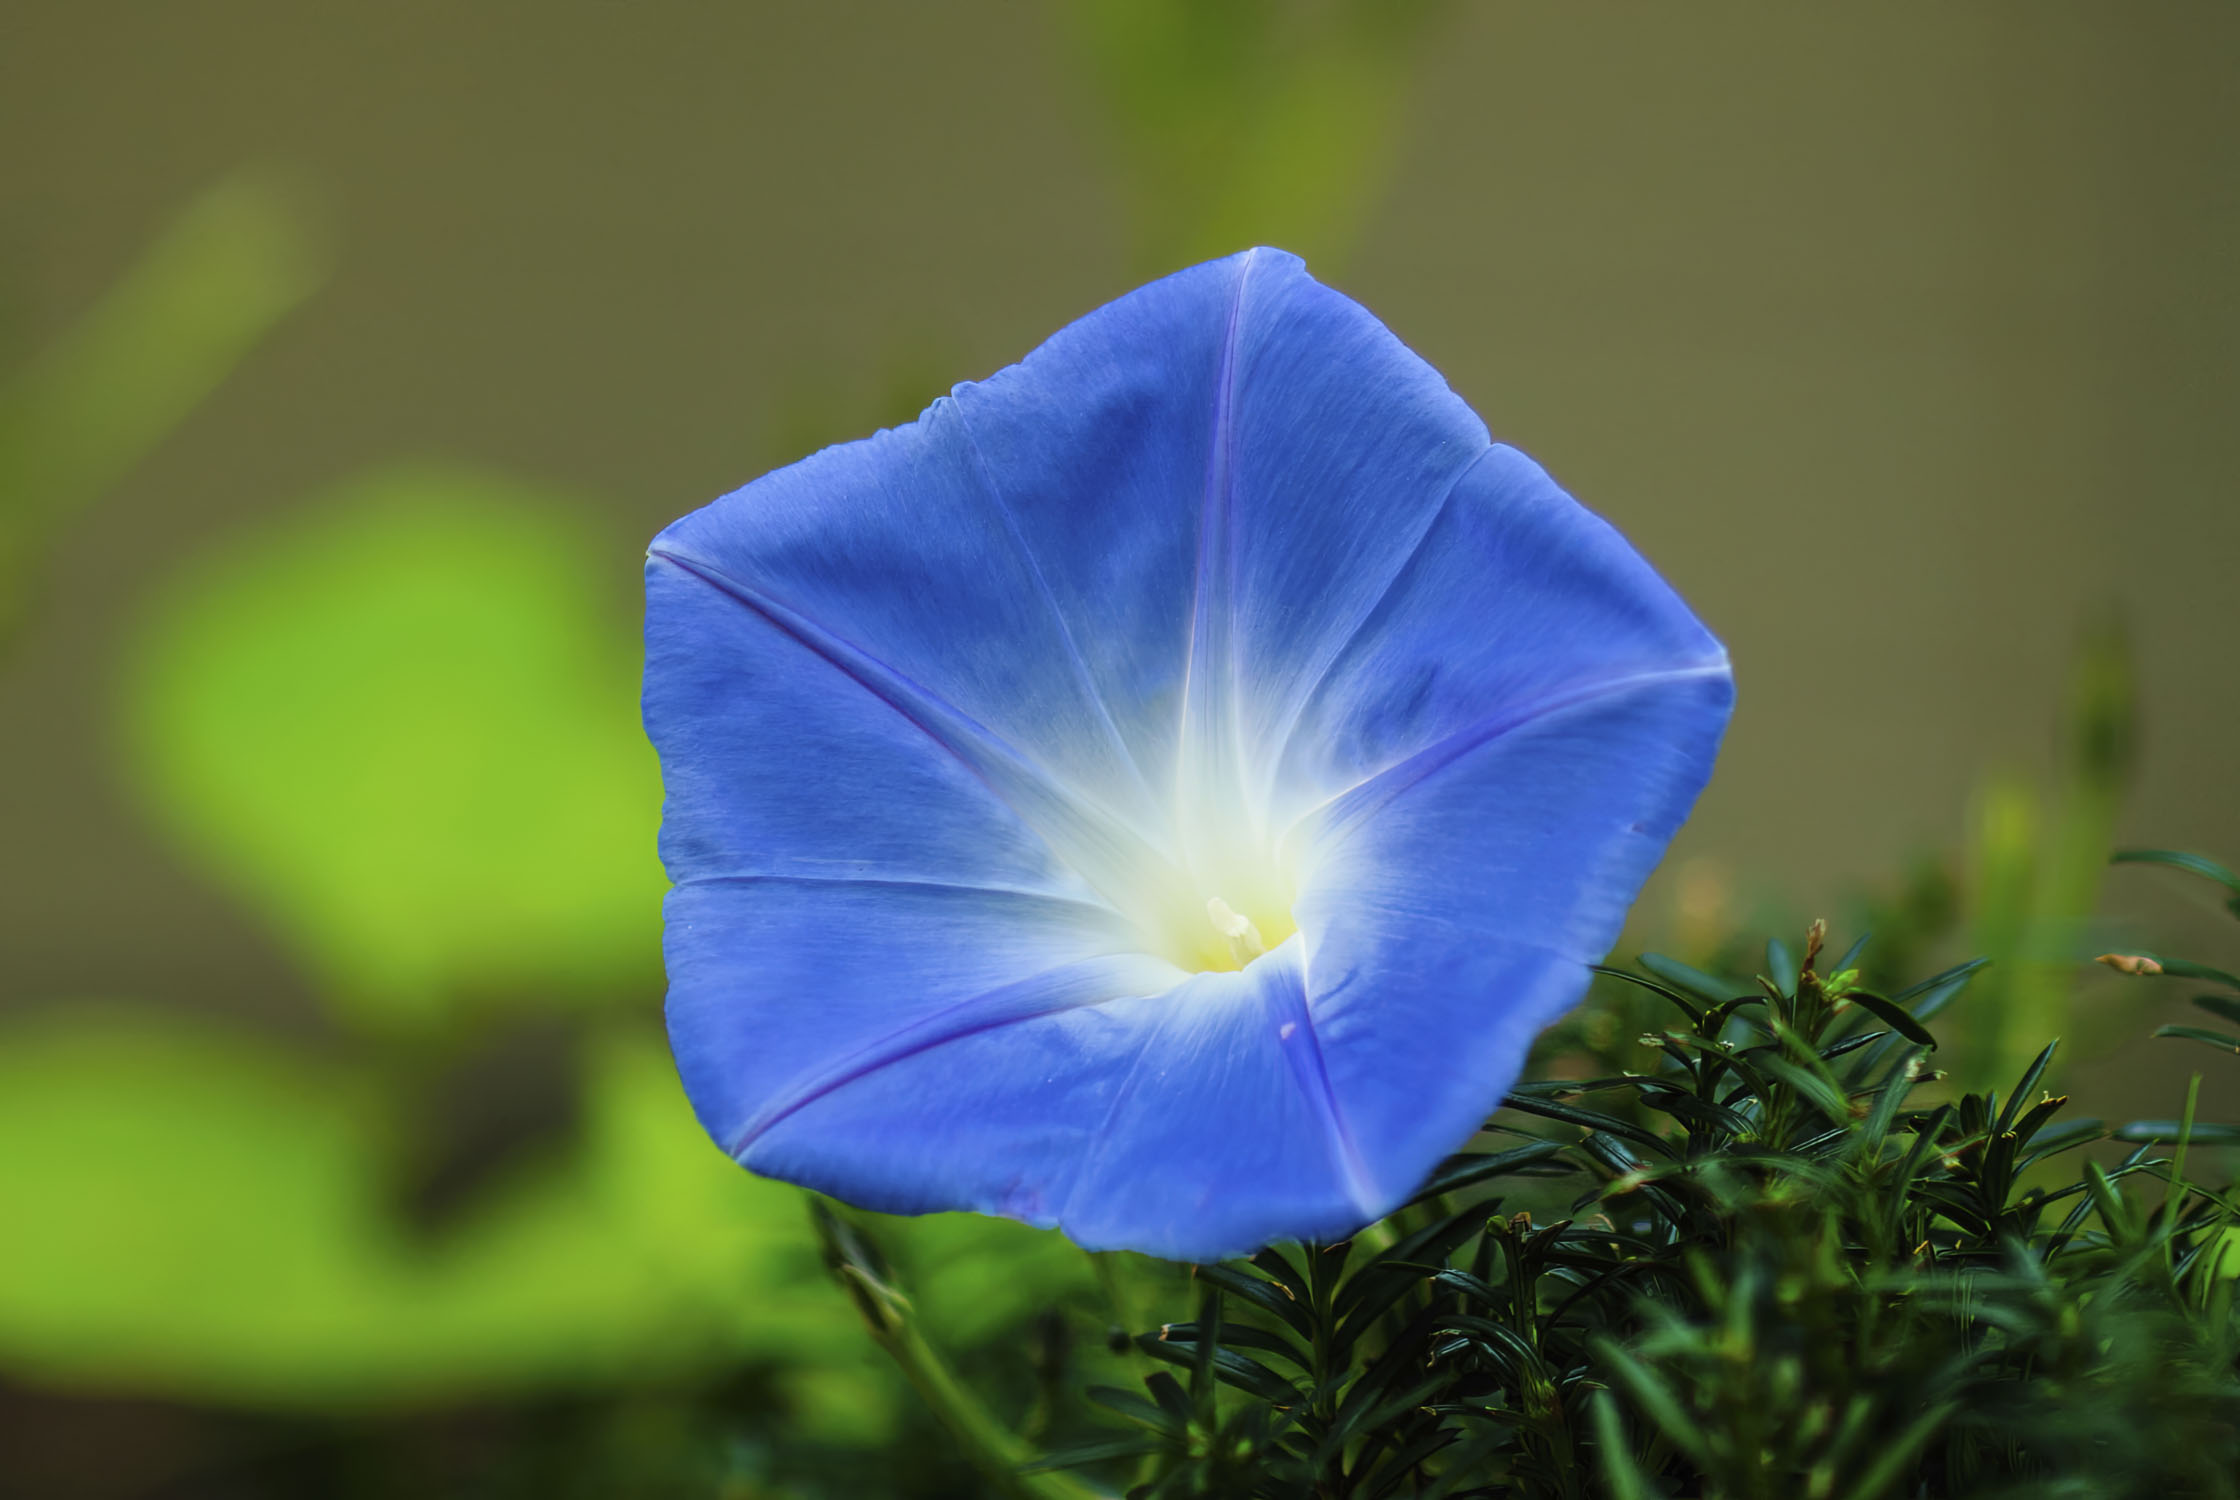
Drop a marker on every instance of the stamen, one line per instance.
(1245, 943)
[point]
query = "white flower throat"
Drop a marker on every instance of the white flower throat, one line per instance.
(1216, 901)
(1226, 902)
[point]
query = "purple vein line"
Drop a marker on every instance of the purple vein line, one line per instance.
(1074, 986)
(1289, 726)
(1352, 804)
(1096, 842)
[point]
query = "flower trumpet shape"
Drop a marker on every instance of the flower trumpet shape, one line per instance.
(1162, 790)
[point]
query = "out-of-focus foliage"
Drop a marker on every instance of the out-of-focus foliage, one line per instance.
(193, 1209)
(84, 412)
(1243, 122)
(400, 728)
(893, 1323)
(2036, 865)
(1781, 1274)
(2022, 891)
(2222, 1002)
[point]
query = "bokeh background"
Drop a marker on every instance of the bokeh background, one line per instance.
(349, 356)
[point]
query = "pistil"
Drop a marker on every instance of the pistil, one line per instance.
(1245, 943)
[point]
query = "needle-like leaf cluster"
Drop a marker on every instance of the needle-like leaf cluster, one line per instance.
(1774, 1258)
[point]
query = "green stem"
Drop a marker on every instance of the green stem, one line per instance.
(994, 1449)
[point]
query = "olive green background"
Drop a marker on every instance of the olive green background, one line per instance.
(1896, 336)
(1903, 338)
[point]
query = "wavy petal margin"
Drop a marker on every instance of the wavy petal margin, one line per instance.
(1221, 590)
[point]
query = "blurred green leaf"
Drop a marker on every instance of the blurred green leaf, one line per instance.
(2176, 1130)
(644, 1247)
(83, 414)
(2038, 864)
(2192, 864)
(194, 1211)
(1705, 987)
(974, 1277)
(2221, 1039)
(1243, 122)
(403, 726)
(2219, 1005)
(180, 1204)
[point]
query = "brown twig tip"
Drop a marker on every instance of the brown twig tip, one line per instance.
(1815, 938)
(2130, 963)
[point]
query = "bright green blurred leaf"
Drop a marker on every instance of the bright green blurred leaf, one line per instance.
(403, 727)
(83, 414)
(192, 1211)
(156, 1183)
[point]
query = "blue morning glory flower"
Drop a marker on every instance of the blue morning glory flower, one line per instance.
(1162, 790)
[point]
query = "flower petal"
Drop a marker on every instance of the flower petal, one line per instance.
(898, 554)
(1099, 446)
(1339, 448)
(964, 723)
(1213, 478)
(783, 988)
(1221, 470)
(1187, 1124)
(775, 761)
(1452, 904)
(1515, 597)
